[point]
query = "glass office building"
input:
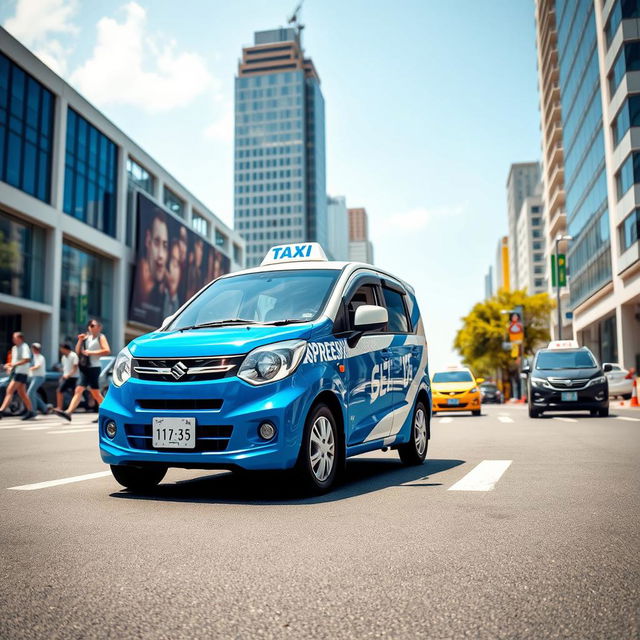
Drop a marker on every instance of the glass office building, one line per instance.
(280, 185)
(598, 81)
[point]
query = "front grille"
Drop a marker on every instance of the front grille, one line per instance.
(181, 404)
(444, 405)
(562, 383)
(208, 438)
(185, 369)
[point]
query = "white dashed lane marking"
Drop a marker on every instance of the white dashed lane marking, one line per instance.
(505, 419)
(627, 418)
(55, 483)
(445, 420)
(565, 419)
(483, 477)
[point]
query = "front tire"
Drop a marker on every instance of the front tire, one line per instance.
(415, 451)
(603, 413)
(476, 412)
(320, 455)
(533, 413)
(138, 478)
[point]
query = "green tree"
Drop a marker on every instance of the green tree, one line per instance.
(484, 330)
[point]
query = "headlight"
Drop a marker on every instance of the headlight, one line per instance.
(598, 380)
(122, 368)
(272, 362)
(540, 382)
(474, 390)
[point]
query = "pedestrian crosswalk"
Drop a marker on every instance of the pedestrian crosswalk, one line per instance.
(51, 424)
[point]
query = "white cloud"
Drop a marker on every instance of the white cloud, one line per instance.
(418, 218)
(129, 66)
(222, 128)
(38, 23)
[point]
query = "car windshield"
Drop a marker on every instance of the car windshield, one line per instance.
(489, 387)
(261, 297)
(453, 376)
(565, 360)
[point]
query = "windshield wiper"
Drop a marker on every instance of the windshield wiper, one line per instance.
(286, 321)
(218, 323)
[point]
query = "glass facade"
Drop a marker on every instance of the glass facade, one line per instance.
(627, 60)
(26, 131)
(200, 224)
(22, 255)
(622, 10)
(87, 292)
(90, 178)
(140, 177)
(173, 202)
(589, 256)
(630, 230)
(627, 117)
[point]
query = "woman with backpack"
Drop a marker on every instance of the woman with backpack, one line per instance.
(89, 347)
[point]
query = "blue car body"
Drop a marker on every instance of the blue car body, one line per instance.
(372, 385)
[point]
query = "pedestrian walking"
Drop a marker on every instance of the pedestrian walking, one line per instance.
(69, 377)
(89, 347)
(37, 375)
(19, 369)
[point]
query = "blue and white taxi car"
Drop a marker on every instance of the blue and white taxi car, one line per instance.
(297, 364)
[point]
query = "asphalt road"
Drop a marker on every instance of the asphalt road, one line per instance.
(552, 551)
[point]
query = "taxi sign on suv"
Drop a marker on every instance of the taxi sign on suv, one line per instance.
(297, 364)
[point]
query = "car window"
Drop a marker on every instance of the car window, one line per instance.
(452, 376)
(398, 321)
(565, 360)
(364, 294)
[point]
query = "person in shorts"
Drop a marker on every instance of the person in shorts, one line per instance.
(69, 377)
(89, 347)
(19, 367)
(37, 376)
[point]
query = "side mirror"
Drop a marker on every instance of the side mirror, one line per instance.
(166, 321)
(479, 380)
(370, 317)
(607, 367)
(526, 369)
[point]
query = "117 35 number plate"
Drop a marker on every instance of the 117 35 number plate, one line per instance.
(174, 433)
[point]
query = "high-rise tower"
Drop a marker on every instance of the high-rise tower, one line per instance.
(280, 184)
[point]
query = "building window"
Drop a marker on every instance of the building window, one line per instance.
(221, 239)
(535, 222)
(537, 245)
(628, 60)
(622, 10)
(630, 230)
(536, 233)
(535, 209)
(86, 292)
(140, 177)
(90, 177)
(26, 131)
(628, 116)
(628, 174)
(174, 203)
(537, 257)
(200, 224)
(22, 254)
(237, 254)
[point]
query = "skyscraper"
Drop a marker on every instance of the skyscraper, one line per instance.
(598, 53)
(521, 183)
(360, 247)
(280, 185)
(337, 228)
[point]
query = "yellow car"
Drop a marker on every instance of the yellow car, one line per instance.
(455, 390)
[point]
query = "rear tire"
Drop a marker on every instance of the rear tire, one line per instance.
(626, 396)
(534, 413)
(320, 455)
(603, 413)
(476, 412)
(138, 478)
(415, 451)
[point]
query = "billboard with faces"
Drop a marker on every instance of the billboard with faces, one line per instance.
(172, 264)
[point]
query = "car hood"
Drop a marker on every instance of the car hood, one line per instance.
(571, 374)
(444, 387)
(217, 341)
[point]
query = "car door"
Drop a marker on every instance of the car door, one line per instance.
(367, 369)
(405, 351)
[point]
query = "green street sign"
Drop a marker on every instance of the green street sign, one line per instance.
(561, 270)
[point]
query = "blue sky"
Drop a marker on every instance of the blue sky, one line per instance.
(427, 104)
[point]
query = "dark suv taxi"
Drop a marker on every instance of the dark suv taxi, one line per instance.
(565, 377)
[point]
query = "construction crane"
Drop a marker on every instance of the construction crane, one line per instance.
(293, 19)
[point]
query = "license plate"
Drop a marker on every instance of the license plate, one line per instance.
(569, 396)
(453, 401)
(174, 433)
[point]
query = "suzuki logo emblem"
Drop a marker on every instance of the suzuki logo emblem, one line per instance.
(178, 370)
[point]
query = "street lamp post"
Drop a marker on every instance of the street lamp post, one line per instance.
(559, 238)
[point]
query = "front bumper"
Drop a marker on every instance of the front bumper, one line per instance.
(466, 402)
(226, 437)
(593, 397)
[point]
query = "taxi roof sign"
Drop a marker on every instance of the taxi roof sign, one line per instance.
(303, 252)
(563, 344)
